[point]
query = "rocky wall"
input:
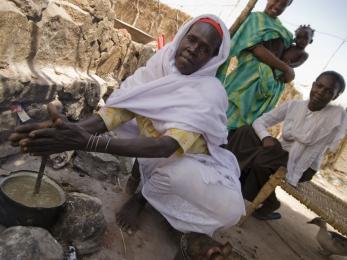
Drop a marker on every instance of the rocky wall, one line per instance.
(68, 50)
(150, 16)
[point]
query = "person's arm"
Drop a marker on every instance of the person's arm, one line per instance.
(92, 125)
(69, 136)
(266, 56)
(106, 119)
(300, 61)
(267, 120)
(144, 147)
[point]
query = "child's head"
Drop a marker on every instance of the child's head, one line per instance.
(303, 36)
(275, 8)
(328, 86)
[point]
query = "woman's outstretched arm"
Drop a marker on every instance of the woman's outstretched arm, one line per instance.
(65, 136)
(266, 56)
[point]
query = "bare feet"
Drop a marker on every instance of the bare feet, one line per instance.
(200, 246)
(127, 217)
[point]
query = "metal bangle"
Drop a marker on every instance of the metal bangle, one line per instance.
(96, 145)
(108, 142)
(88, 142)
(91, 146)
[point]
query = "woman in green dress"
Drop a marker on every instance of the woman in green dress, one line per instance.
(257, 81)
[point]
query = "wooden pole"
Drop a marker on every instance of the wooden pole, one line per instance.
(265, 192)
(242, 17)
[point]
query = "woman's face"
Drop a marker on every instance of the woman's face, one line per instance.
(275, 8)
(197, 47)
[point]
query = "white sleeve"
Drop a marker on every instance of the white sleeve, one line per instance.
(269, 119)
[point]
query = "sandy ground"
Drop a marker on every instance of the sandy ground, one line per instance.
(333, 181)
(289, 238)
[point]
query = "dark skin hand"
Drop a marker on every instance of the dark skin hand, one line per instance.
(22, 132)
(67, 136)
(268, 141)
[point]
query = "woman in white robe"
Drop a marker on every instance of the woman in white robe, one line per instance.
(175, 91)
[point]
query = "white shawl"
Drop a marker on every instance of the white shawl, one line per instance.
(196, 102)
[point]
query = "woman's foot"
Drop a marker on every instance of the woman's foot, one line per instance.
(127, 217)
(201, 246)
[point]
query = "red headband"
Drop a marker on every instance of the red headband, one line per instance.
(213, 23)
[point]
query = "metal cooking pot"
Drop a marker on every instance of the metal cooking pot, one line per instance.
(13, 213)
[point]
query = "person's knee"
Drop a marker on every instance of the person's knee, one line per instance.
(178, 180)
(259, 166)
(235, 136)
(169, 178)
(159, 182)
(235, 209)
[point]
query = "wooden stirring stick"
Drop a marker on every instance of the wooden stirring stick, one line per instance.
(40, 175)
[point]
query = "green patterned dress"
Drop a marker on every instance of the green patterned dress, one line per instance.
(252, 88)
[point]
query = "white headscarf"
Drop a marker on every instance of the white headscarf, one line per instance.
(195, 102)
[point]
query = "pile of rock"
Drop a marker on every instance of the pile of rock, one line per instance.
(81, 224)
(64, 49)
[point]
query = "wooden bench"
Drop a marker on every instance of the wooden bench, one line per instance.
(326, 205)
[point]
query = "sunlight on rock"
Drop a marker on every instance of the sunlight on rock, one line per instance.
(19, 162)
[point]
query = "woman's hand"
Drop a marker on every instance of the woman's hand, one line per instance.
(288, 75)
(63, 137)
(23, 131)
(267, 57)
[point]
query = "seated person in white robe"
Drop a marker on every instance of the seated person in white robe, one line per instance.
(310, 127)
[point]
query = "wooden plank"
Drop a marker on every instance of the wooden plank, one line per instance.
(137, 35)
(242, 17)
